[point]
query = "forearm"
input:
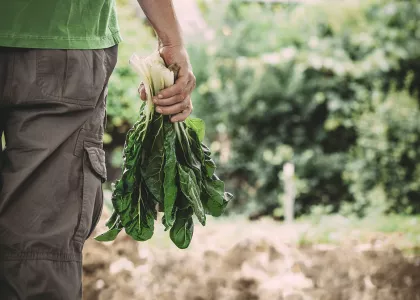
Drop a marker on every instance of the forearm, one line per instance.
(161, 15)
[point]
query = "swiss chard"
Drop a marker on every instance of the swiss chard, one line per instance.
(166, 165)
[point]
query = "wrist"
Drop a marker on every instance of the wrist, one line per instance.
(172, 44)
(165, 41)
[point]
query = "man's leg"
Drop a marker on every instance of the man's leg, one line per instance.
(53, 168)
(2, 119)
(3, 112)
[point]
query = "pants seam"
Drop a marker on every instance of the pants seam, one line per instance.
(32, 255)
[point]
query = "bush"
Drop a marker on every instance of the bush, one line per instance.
(303, 90)
(332, 88)
(384, 165)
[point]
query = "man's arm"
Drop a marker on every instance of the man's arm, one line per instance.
(175, 100)
(161, 15)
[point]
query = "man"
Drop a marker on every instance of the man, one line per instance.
(55, 61)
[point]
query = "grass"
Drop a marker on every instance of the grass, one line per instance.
(402, 232)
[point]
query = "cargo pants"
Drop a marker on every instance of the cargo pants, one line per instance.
(52, 113)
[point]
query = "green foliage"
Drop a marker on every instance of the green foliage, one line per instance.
(330, 87)
(384, 165)
(306, 89)
(165, 166)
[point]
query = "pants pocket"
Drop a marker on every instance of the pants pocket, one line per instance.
(71, 76)
(94, 174)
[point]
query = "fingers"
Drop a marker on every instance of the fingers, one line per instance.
(175, 108)
(142, 92)
(182, 115)
(176, 98)
(179, 87)
(170, 101)
(172, 95)
(184, 84)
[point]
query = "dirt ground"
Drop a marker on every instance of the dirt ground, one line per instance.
(240, 260)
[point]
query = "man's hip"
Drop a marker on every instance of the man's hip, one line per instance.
(52, 111)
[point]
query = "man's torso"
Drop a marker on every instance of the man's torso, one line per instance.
(58, 24)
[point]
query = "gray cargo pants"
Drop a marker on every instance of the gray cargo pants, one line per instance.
(52, 112)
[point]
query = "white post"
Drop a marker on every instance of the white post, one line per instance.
(289, 192)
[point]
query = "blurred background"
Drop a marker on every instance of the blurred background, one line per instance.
(312, 114)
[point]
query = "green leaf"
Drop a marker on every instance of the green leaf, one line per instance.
(109, 235)
(139, 224)
(209, 164)
(169, 182)
(141, 232)
(183, 149)
(153, 159)
(197, 155)
(121, 197)
(197, 151)
(112, 220)
(197, 125)
(182, 202)
(114, 225)
(191, 190)
(214, 197)
(165, 164)
(182, 231)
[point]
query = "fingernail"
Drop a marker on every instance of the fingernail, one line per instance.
(174, 120)
(160, 96)
(159, 110)
(154, 100)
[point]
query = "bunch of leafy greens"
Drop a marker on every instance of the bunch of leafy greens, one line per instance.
(166, 165)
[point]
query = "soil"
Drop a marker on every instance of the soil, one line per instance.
(242, 260)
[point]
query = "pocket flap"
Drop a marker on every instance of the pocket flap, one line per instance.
(97, 160)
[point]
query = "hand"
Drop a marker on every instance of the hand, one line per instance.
(175, 100)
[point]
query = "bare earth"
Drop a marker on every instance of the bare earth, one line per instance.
(238, 260)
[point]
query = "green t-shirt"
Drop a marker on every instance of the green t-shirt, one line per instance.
(58, 24)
